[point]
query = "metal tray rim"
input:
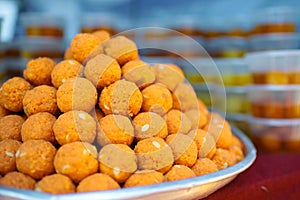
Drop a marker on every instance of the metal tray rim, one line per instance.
(140, 192)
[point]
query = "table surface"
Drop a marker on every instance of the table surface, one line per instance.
(272, 176)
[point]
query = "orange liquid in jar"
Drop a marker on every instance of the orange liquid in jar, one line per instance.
(190, 31)
(91, 29)
(44, 31)
(45, 53)
(287, 27)
(294, 77)
(270, 77)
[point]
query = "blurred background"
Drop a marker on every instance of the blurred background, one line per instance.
(227, 29)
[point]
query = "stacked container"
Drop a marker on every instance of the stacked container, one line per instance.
(43, 35)
(221, 75)
(236, 76)
(275, 99)
(275, 29)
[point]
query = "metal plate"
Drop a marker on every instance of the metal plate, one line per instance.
(193, 188)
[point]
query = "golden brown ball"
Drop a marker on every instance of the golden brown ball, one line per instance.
(12, 93)
(40, 99)
(35, 158)
(122, 97)
(38, 71)
(55, 184)
(77, 94)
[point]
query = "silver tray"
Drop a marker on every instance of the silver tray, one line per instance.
(193, 188)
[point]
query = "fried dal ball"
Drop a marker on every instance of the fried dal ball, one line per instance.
(118, 161)
(65, 70)
(98, 114)
(55, 184)
(8, 149)
(18, 180)
(237, 148)
(38, 71)
(97, 182)
(97, 51)
(76, 160)
(39, 127)
(179, 172)
(197, 118)
(116, 129)
(40, 99)
(177, 122)
(12, 93)
(3, 111)
(102, 70)
(220, 130)
(224, 158)
(184, 97)
(157, 98)
(74, 126)
(139, 72)
(238, 152)
(68, 54)
(82, 45)
(144, 177)
(102, 35)
(204, 166)
(205, 142)
(122, 97)
(35, 158)
(184, 149)
(149, 124)
(169, 75)
(121, 48)
(77, 94)
(154, 154)
(203, 108)
(235, 141)
(10, 127)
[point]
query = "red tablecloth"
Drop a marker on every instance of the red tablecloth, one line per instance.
(272, 176)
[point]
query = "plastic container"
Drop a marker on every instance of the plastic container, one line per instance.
(276, 135)
(274, 67)
(200, 70)
(1, 19)
(42, 24)
(236, 100)
(41, 47)
(227, 47)
(275, 20)
(2, 71)
(90, 22)
(2, 50)
(235, 72)
(188, 24)
(157, 60)
(274, 101)
(11, 49)
(203, 93)
(274, 41)
(240, 121)
(173, 46)
(12, 67)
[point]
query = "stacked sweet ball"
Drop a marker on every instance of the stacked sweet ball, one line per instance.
(102, 119)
